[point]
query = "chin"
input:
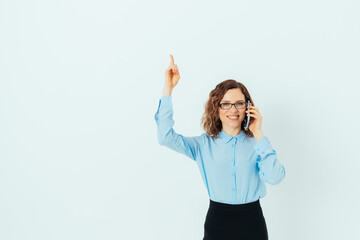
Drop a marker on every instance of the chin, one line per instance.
(234, 125)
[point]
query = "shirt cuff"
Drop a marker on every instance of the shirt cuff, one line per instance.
(164, 102)
(263, 147)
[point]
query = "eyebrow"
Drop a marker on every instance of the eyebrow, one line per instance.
(230, 101)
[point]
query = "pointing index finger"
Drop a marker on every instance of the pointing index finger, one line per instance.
(172, 59)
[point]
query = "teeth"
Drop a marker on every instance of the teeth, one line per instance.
(233, 117)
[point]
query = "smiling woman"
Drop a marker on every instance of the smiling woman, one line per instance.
(234, 163)
(221, 114)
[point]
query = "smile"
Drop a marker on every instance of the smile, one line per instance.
(233, 117)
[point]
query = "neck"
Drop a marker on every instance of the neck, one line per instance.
(232, 131)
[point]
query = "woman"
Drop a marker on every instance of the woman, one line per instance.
(234, 162)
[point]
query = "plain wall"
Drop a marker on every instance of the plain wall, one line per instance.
(80, 83)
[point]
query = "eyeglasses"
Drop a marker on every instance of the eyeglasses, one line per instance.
(226, 106)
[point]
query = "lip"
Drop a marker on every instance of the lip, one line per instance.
(233, 116)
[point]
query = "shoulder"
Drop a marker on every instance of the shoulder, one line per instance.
(206, 138)
(197, 140)
(250, 141)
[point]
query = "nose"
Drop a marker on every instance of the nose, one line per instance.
(233, 110)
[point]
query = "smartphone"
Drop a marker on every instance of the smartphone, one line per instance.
(248, 117)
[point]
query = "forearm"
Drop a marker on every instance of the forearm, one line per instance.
(270, 169)
(167, 91)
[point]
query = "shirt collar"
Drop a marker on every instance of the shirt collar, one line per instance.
(226, 138)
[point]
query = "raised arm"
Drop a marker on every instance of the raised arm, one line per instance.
(164, 119)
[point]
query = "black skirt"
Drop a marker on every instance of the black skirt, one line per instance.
(235, 222)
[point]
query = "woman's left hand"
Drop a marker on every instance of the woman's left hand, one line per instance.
(255, 119)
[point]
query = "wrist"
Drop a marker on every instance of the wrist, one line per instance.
(258, 135)
(167, 91)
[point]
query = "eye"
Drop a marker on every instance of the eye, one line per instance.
(240, 104)
(225, 104)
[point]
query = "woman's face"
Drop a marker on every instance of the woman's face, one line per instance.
(232, 96)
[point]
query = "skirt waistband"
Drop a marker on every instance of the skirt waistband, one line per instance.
(235, 207)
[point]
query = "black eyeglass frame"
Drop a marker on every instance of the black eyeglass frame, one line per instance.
(231, 104)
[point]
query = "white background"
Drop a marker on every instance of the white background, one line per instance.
(80, 82)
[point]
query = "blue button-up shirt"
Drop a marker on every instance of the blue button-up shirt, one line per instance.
(233, 169)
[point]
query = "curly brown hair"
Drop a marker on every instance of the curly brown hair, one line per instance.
(210, 120)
